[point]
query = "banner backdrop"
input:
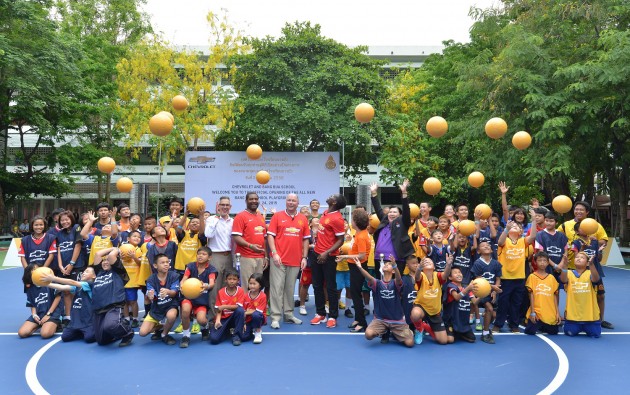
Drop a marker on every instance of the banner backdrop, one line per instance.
(312, 175)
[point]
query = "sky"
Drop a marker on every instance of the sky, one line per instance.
(368, 22)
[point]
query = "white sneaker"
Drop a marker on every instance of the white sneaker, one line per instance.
(293, 320)
(275, 325)
(258, 337)
(303, 310)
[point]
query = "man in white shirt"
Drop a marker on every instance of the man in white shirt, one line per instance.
(219, 233)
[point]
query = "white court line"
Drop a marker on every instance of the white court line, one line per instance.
(616, 267)
(269, 332)
(31, 369)
(563, 367)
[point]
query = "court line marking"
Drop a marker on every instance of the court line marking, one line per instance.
(30, 372)
(269, 332)
(563, 367)
(617, 267)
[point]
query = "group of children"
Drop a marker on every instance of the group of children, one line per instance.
(100, 266)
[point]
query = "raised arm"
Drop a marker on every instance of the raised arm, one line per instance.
(529, 240)
(357, 262)
(406, 212)
(504, 235)
(375, 203)
(87, 227)
(504, 204)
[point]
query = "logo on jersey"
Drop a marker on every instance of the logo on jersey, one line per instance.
(462, 261)
(77, 304)
(431, 293)
(65, 246)
(292, 230)
(387, 293)
(554, 250)
(411, 296)
(488, 276)
(41, 298)
(543, 288)
(38, 254)
(259, 229)
(514, 253)
(464, 304)
(103, 280)
(580, 285)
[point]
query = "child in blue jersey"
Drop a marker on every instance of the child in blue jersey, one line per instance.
(198, 307)
(388, 311)
(81, 325)
(456, 311)
(134, 225)
(162, 290)
(495, 222)
(39, 247)
(108, 299)
(44, 305)
(590, 246)
(490, 269)
(161, 245)
(436, 250)
(69, 242)
(553, 242)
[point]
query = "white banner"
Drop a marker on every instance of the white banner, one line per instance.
(212, 174)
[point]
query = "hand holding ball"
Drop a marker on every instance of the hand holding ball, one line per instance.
(191, 288)
(481, 288)
(39, 273)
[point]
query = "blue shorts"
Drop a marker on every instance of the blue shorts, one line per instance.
(591, 328)
(343, 280)
(131, 294)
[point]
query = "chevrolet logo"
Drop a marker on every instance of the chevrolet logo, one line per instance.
(202, 159)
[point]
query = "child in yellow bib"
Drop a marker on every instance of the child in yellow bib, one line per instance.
(543, 292)
(582, 312)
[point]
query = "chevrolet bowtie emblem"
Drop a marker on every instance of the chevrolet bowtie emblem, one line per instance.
(202, 159)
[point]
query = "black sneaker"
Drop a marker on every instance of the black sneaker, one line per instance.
(168, 339)
(205, 334)
(366, 312)
(135, 323)
(488, 338)
(385, 338)
(184, 342)
(236, 341)
(157, 335)
(607, 325)
(126, 340)
(348, 313)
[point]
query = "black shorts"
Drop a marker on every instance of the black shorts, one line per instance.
(465, 336)
(600, 286)
(434, 321)
(488, 299)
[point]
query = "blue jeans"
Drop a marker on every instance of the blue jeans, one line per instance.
(256, 323)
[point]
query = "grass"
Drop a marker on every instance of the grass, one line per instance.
(2, 255)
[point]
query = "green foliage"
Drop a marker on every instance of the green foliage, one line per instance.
(298, 93)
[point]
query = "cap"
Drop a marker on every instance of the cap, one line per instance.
(165, 219)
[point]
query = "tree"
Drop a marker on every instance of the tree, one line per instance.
(38, 101)
(555, 69)
(298, 93)
(154, 72)
(105, 31)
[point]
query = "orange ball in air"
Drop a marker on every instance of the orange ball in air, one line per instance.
(124, 184)
(521, 140)
(589, 226)
(437, 127)
(106, 165)
(254, 151)
(562, 204)
(263, 177)
(364, 113)
(179, 103)
(496, 128)
(432, 186)
(483, 288)
(476, 179)
(161, 124)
